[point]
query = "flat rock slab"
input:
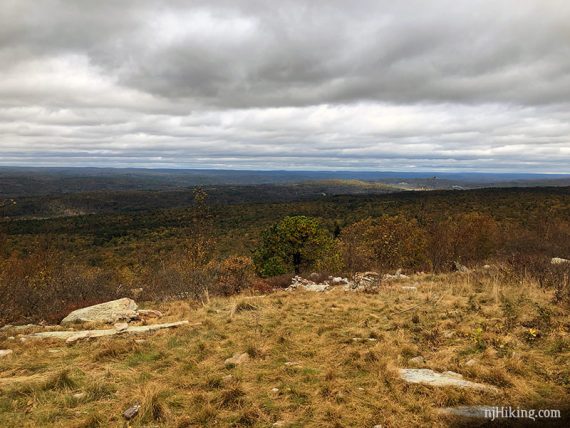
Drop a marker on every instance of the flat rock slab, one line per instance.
(479, 412)
(108, 312)
(429, 377)
(72, 336)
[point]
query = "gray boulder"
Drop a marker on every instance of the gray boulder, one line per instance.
(109, 312)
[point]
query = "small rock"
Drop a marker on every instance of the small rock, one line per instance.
(377, 426)
(448, 334)
(131, 412)
(5, 352)
(11, 338)
(139, 341)
(136, 292)
(409, 288)
(280, 424)
(417, 361)
(487, 267)
(237, 359)
(458, 267)
(429, 377)
(471, 363)
(291, 363)
(559, 261)
(80, 335)
(6, 327)
(121, 326)
(361, 389)
(149, 313)
(79, 395)
(54, 351)
(275, 390)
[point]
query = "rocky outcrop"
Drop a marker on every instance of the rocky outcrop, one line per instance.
(429, 377)
(360, 281)
(73, 336)
(109, 312)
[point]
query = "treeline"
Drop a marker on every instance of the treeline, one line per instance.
(50, 267)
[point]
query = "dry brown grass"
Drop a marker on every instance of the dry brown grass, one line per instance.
(332, 357)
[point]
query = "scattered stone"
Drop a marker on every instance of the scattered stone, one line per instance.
(480, 412)
(11, 338)
(361, 281)
(149, 313)
(121, 326)
(72, 336)
(139, 341)
(54, 351)
(377, 426)
(79, 395)
(559, 261)
(136, 292)
(486, 267)
(397, 275)
(305, 284)
(448, 334)
(471, 363)
(237, 359)
(279, 424)
(417, 361)
(458, 267)
(5, 352)
(409, 288)
(429, 377)
(292, 363)
(131, 412)
(108, 312)
(275, 390)
(360, 389)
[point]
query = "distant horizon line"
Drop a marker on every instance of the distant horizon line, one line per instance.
(234, 169)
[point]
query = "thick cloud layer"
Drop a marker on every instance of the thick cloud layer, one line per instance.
(438, 85)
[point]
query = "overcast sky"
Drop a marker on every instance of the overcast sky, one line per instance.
(375, 85)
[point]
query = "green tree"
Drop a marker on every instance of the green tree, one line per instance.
(295, 244)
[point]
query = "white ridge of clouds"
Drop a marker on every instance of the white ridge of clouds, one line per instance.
(362, 84)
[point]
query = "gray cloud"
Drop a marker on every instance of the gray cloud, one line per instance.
(481, 85)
